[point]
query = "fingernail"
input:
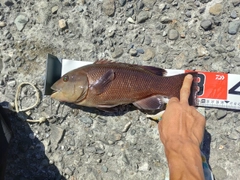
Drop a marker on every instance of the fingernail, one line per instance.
(189, 76)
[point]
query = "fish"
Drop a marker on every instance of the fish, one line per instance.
(107, 84)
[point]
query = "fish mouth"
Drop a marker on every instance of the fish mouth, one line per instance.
(55, 91)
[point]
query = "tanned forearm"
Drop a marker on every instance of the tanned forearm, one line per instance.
(184, 161)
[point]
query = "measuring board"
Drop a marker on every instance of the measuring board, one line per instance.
(218, 90)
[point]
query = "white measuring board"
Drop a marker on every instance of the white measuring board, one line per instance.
(218, 90)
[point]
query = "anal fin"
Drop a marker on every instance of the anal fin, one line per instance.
(150, 103)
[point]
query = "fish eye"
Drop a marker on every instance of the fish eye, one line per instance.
(65, 78)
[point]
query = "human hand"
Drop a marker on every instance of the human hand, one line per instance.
(181, 131)
(181, 123)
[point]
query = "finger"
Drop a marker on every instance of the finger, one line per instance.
(185, 90)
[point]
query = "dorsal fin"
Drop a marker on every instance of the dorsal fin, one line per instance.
(155, 70)
(103, 61)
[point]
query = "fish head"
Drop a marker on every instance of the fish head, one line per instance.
(72, 87)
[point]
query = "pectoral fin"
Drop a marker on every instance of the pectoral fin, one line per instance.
(150, 103)
(99, 86)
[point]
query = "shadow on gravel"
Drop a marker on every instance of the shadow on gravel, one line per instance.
(205, 147)
(26, 155)
(115, 111)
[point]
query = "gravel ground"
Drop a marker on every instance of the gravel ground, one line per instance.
(85, 143)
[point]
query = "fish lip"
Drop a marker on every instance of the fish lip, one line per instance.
(54, 94)
(54, 88)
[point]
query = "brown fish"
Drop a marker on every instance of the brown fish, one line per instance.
(106, 84)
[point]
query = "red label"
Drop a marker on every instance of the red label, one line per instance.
(212, 85)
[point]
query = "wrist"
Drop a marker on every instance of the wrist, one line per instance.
(184, 148)
(184, 159)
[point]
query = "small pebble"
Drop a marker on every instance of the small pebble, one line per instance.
(235, 2)
(202, 51)
(188, 14)
(140, 5)
(142, 17)
(2, 24)
(173, 34)
(117, 53)
(99, 151)
(20, 21)
(233, 27)
(216, 9)
(11, 83)
(130, 20)
(148, 54)
(104, 169)
(110, 154)
(133, 52)
(149, 3)
(165, 20)
(86, 120)
(217, 21)
(8, 2)
(233, 14)
(144, 167)
(122, 2)
(117, 137)
(201, 10)
(62, 24)
(147, 40)
(133, 132)
(162, 7)
(108, 7)
(140, 51)
(68, 171)
(126, 127)
(206, 24)
(56, 135)
(233, 135)
(72, 142)
(125, 159)
(221, 114)
(129, 12)
(54, 9)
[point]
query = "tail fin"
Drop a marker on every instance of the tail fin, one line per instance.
(175, 83)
